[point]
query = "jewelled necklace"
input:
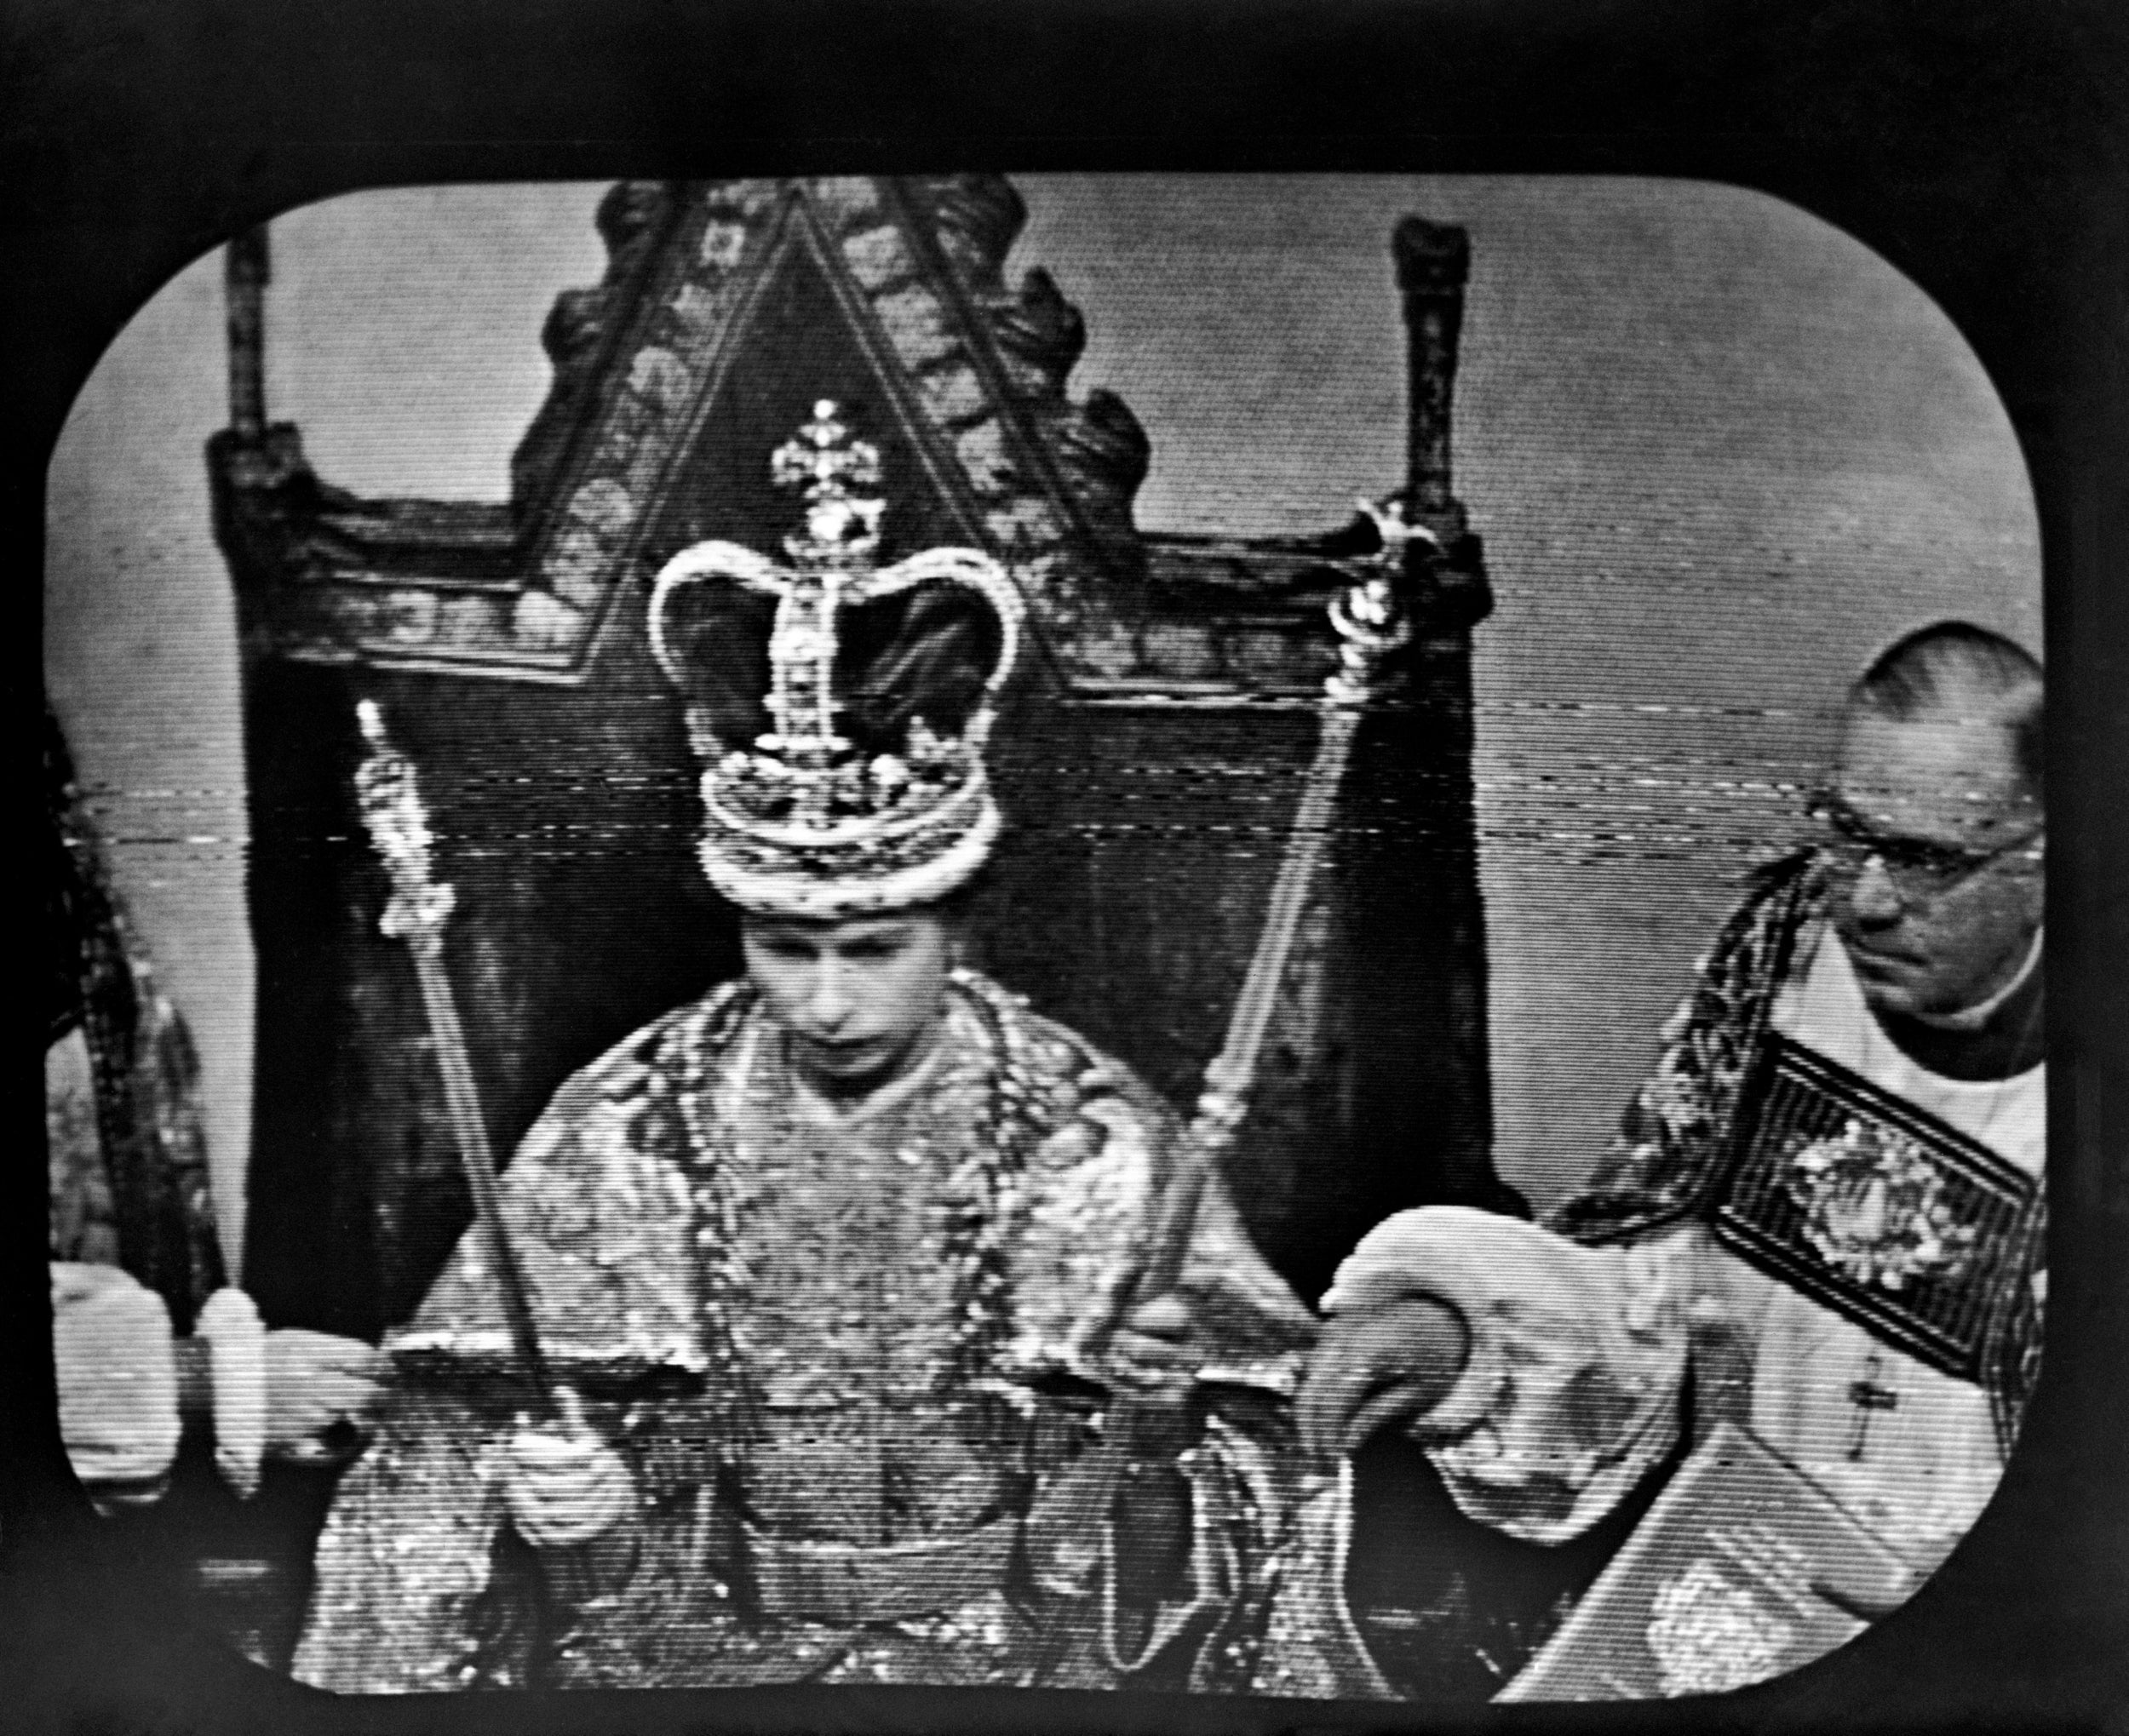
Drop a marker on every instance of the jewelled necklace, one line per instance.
(694, 1047)
(978, 1235)
(978, 1227)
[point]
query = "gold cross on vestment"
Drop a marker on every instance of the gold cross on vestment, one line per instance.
(1869, 1396)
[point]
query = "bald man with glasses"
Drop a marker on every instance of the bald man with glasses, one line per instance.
(1822, 1224)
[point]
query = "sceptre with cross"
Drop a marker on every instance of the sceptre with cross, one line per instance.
(398, 821)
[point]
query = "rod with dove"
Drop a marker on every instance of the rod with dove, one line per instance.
(1149, 1423)
(1371, 626)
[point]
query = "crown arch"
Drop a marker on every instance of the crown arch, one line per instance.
(1148, 758)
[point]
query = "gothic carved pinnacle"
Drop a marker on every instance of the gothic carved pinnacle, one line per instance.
(1100, 452)
(1044, 483)
(1104, 451)
(632, 217)
(1430, 257)
(1040, 336)
(976, 218)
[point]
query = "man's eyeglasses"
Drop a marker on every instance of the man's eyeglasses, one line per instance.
(1918, 866)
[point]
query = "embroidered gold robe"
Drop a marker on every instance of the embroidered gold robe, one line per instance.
(858, 1366)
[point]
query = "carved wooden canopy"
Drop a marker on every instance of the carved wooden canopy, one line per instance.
(962, 384)
(1148, 764)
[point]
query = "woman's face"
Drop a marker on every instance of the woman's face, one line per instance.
(856, 996)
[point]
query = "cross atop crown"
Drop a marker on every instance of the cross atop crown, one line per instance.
(828, 464)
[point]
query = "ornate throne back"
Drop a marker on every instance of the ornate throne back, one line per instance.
(1148, 762)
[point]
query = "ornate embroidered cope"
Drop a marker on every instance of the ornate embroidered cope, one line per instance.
(845, 1355)
(1671, 1159)
(1485, 1600)
(126, 1143)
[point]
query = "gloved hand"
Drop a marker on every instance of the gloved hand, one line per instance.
(302, 1396)
(1151, 1346)
(322, 1394)
(1537, 1373)
(565, 1487)
(1153, 1417)
(1129, 1487)
(118, 1382)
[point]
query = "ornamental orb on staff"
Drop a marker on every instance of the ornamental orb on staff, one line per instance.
(842, 1325)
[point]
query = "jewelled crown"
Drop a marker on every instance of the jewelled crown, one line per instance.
(866, 791)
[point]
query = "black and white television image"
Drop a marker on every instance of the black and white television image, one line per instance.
(1271, 936)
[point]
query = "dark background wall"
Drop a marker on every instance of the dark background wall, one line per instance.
(1718, 451)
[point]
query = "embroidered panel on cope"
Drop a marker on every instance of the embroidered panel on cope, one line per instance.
(1685, 1150)
(1890, 1217)
(1665, 1161)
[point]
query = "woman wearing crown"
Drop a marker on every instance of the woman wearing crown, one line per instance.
(835, 1268)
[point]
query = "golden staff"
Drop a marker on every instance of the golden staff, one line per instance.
(1371, 626)
(1151, 1423)
(398, 823)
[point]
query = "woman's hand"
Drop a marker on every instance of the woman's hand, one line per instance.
(321, 1395)
(1151, 1346)
(566, 1488)
(118, 1383)
(1154, 1417)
